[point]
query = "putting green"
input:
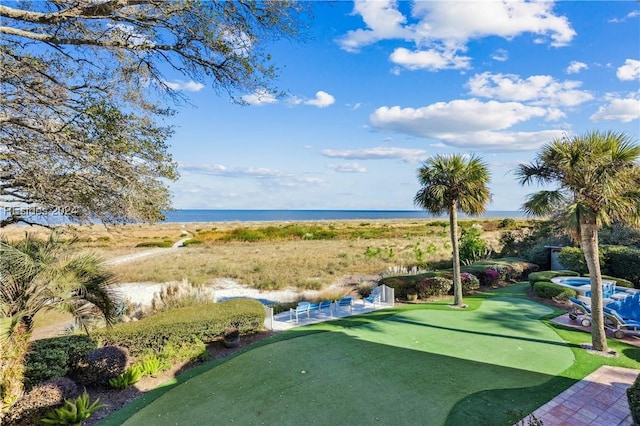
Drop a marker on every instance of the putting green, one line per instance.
(420, 365)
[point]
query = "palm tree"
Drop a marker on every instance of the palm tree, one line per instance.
(451, 183)
(598, 180)
(37, 274)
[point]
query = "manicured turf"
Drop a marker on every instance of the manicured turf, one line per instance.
(421, 365)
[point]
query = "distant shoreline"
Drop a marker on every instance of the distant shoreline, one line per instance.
(230, 215)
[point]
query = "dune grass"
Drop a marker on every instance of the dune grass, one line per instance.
(490, 364)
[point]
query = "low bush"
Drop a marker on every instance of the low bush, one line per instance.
(55, 357)
(162, 244)
(633, 397)
(469, 282)
(102, 365)
(41, 399)
(534, 277)
(433, 287)
(202, 322)
(407, 283)
(548, 290)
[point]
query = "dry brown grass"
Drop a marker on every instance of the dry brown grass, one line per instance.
(360, 247)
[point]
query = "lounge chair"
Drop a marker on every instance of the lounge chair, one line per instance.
(298, 311)
(345, 301)
(620, 326)
(580, 311)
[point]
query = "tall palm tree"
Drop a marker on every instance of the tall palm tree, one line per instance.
(451, 183)
(598, 179)
(38, 274)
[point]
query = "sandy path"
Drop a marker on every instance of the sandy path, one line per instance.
(144, 254)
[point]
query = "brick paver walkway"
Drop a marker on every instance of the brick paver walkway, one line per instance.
(600, 399)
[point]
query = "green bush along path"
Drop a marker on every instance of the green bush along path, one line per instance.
(429, 364)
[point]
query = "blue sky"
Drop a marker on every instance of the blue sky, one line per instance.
(379, 86)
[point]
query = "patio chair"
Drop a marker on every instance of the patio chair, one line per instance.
(580, 311)
(620, 326)
(373, 298)
(298, 311)
(325, 304)
(345, 301)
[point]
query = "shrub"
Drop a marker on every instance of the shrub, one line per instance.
(189, 324)
(547, 275)
(490, 277)
(73, 412)
(55, 357)
(633, 397)
(472, 247)
(623, 262)
(573, 258)
(434, 286)
(469, 282)
(39, 400)
(103, 364)
(548, 290)
(150, 366)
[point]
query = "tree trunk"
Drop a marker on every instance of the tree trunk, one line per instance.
(589, 240)
(453, 225)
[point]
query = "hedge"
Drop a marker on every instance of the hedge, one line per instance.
(54, 357)
(408, 283)
(633, 397)
(202, 322)
(548, 290)
(623, 262)
(534, 277)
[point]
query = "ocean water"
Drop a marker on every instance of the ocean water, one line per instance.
(181, 216)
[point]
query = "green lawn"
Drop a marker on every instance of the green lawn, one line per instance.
(430, 364)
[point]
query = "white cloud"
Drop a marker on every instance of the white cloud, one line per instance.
(442, 28)
(629, 15)
(470, 124)
(407, 155)
(272, 177)
(629, 71)
(347, 168)
(187, 86)
(500, 55)
(537, 89)
(575, 67)
(322, 100)
(383, 20)
(436, 120)
(619, 109)
(261, 97)
(434, 59)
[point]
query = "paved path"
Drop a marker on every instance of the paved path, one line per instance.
(598, 399)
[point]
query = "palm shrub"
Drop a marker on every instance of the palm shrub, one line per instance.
(633, 397)
(38, 274)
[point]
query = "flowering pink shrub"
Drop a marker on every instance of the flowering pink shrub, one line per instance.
(491, 276)
(469, 282)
